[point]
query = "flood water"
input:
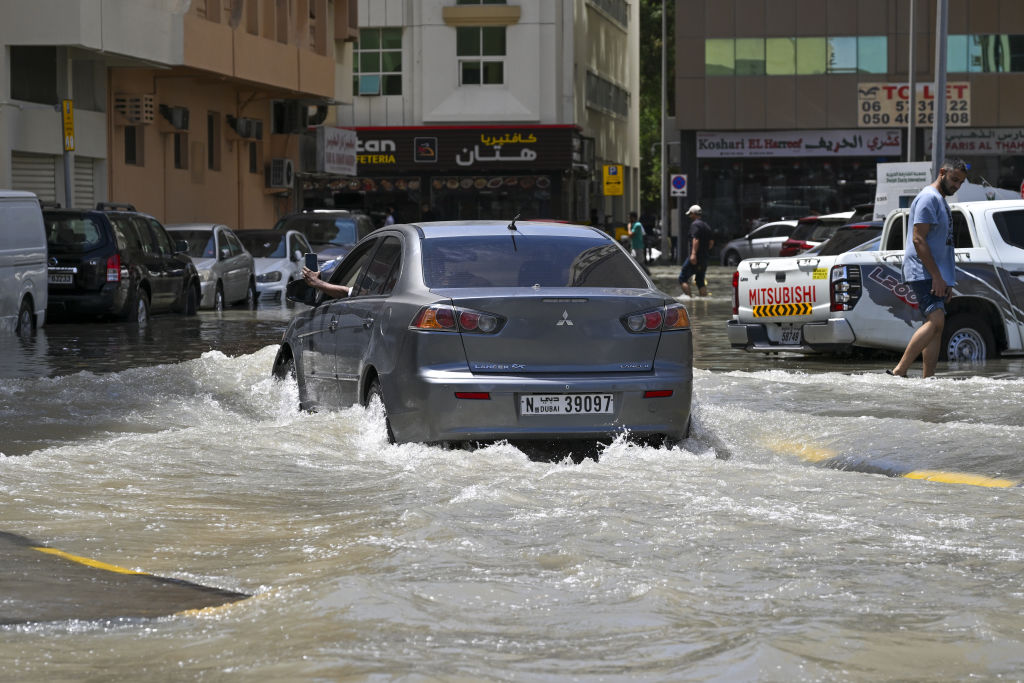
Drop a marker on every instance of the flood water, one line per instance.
(772, 545)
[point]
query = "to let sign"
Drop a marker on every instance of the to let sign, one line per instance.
(880, 105)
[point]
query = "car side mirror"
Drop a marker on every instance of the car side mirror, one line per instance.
(225, 253)
(181, 246)
(300, 292)
(297, 255)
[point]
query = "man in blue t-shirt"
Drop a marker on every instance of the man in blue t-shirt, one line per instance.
(929, 265)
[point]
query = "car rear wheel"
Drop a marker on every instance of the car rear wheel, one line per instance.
(967, 337)
(732, 258)
(26, 325)
(375, 394)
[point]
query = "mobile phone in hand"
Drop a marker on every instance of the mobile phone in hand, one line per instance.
(311, 262)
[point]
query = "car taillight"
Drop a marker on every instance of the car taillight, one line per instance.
(736, 293)
(445, 318)
(793, 247)
(114, 268)
(671, 317)
(845, 287)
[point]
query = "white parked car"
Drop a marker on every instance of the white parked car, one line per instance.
(764, 240)
(278, 257)
(227, 274)
(23, 286)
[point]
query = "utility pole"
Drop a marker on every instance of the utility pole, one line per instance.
(939, 124)
(912, 77)
(666, 227)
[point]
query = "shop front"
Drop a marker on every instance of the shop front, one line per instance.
(454, 173)
(748, 178)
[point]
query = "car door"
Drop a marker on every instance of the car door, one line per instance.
(1009, 264)
(329, 322)
(365, 312)
(237, 265)
(156, 254)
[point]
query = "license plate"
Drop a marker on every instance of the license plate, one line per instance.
(790, 335)
(566, 404)
(61, 279)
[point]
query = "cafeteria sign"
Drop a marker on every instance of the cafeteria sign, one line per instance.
(613, 180)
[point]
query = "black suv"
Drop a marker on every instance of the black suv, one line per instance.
(331, 232)
(113, 261)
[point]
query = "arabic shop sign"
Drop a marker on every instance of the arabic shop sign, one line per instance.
(888, 104)
(982, 142)
(336, 150)
(799, 143)
(492, 149)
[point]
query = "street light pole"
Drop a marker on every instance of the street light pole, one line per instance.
(662, 172)
(939, 124)
(912, 77)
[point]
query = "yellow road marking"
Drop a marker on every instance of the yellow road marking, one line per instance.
(802, 450)
(86, 561)
(960, 478)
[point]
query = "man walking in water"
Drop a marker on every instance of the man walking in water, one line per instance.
(696, 263)
(929, 265)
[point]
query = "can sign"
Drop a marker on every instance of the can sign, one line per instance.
(678, 185)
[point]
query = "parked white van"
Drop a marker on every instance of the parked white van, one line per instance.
(23, 269)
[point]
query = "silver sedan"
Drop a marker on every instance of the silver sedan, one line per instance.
(764, 240)
(482, 331)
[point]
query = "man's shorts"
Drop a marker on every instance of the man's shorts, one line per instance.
(689, 270)
(926, 301)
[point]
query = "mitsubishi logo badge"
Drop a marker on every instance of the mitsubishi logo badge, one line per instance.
(565, 319)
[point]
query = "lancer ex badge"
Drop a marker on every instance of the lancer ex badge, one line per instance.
(565, 319)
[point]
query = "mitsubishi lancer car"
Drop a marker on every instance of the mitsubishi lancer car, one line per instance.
(478, 331)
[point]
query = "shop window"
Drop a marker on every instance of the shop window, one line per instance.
(377, 64)
(133, 137)
(481, 52)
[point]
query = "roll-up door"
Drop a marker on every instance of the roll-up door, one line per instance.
(85, 188)
(35, 173)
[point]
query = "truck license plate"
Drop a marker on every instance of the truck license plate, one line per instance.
(565, 404)
(790, 335)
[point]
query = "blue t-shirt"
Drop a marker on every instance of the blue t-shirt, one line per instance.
(930, 207)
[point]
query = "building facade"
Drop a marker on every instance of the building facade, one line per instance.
(189, 110)
(489, 109)
(784, 107)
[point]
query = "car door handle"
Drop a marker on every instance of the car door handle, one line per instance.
(367, 322)
(333, 325)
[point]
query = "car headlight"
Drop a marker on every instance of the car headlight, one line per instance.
(205, 275)
(272, 276)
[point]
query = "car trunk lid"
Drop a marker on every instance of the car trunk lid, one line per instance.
(784, 290)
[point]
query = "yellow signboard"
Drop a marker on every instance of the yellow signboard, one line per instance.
(613, 180)
(68, 113)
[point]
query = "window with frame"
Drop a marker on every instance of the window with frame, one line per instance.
(181, 151)
(377, 63)
(133, 136)
(481, 53)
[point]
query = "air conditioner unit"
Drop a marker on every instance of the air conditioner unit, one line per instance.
(280, 173)
(135, 108)
(176, 116)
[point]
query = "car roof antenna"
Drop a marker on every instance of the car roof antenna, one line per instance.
(512, 229)
(512, 225)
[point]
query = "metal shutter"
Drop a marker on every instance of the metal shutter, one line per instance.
(84, 189)
(35, 173)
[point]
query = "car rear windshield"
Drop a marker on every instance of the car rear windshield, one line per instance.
(814, 231)
(264, 246)
(846, 239)
(525, 261)
(73, 233)
(200, 242)
(321, 231)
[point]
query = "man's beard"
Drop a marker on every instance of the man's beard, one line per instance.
(944, 188)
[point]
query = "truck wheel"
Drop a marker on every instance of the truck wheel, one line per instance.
(26, 323)
(967, 337)
(732, 258)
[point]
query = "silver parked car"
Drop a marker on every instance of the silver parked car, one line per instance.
(481, 330)
(278, 257)
(227, 273)
(764, 240)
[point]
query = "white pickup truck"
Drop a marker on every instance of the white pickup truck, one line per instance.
(857, 299)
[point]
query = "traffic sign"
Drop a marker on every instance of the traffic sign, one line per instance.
(678, 185)
(68, 121)
(613, 180)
